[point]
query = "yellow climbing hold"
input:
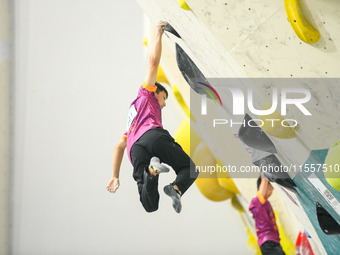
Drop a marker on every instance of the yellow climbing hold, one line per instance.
(236, 204)
(181, 102)
(145, 41)
(252, 245)
(332, 163)
(208, 186)
(252, 240)
(186, 136)
(184, 5)
(161, 76)
(224, 179)
(286, 243)
(275, 128)
(303, 29)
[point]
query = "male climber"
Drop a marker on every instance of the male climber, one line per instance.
(266, 228)
(149, 145)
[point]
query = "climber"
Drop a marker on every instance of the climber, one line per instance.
(149, 145)
(266, 228)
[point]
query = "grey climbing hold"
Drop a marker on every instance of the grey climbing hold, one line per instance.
(274, 172)
(253, 136)
(171, 30)
(327, 223)
(190, 71)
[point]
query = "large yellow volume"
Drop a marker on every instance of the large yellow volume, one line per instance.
(207, 181)
(224, 179)
(187, 137)
(332, 163)
(303, 29)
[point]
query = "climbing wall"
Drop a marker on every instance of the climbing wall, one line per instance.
(247, 39)
(5, 122)
(260, 39)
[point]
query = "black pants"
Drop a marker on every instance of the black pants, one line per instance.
(271, 248)
(158, 142)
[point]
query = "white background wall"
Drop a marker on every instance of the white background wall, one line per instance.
(5, 76)
(78, 65)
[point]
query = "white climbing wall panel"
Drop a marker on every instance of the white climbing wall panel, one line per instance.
(255, 39)
(260, 39)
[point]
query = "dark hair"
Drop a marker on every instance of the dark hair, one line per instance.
(160, 88)
(258, 182)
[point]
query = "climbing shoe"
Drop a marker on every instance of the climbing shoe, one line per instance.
(175, 195)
